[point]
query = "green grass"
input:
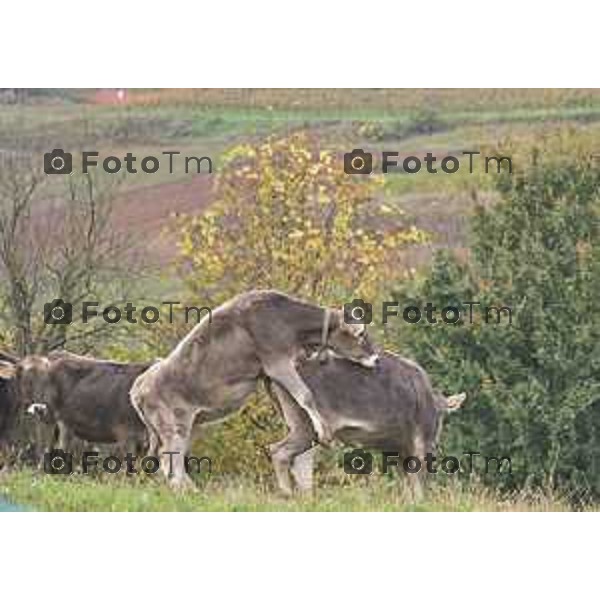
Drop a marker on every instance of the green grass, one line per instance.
(360, 103)
(192, 121)
(37, 491)
(440, 203)
(201, 130)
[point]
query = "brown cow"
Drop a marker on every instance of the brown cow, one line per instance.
(389, 408)
(216, 366)
(88, 398)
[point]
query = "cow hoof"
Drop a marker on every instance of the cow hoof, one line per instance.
(285, 493)
(326, 438)
(324, 435)
(182, 486)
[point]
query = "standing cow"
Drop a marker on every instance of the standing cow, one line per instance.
(25, 433)
(88, 398)
(8, 401)
(391, 407)
(217, 365)
(8, 410)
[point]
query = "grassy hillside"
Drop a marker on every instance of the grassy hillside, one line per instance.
(37, 491)
(208, 122)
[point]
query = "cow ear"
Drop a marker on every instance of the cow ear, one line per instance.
(7, 370)
(455, 402)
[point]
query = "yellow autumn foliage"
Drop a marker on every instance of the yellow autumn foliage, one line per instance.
(286, 216)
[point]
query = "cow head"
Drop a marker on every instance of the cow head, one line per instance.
(31, 379)
(37, 409)
(351, 341)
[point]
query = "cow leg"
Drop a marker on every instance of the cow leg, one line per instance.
(151, 429)
(298, 441)
(285, 374)
(175, 429)
(67, 441)
(283, 454)
(131, 442)
(414, 481)
(172, 424)
(302, 470)
(152, 443)
(64, 437)
(180, 445)
(43, 443)
(46, 438)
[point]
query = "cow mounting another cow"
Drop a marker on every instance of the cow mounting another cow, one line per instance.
(217, 365)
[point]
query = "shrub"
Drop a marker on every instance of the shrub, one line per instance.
(533, 386)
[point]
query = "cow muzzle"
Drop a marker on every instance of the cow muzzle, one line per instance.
(370, 361)
(38, 409)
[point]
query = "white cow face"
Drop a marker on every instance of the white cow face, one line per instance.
(31, 377)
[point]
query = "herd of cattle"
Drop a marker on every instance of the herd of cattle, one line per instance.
(326, 376)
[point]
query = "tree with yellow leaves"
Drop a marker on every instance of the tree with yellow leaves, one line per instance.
(286, 216)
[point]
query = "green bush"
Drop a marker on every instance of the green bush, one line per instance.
(532, 386)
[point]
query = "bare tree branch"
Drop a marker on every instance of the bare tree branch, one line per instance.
(54, 244)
